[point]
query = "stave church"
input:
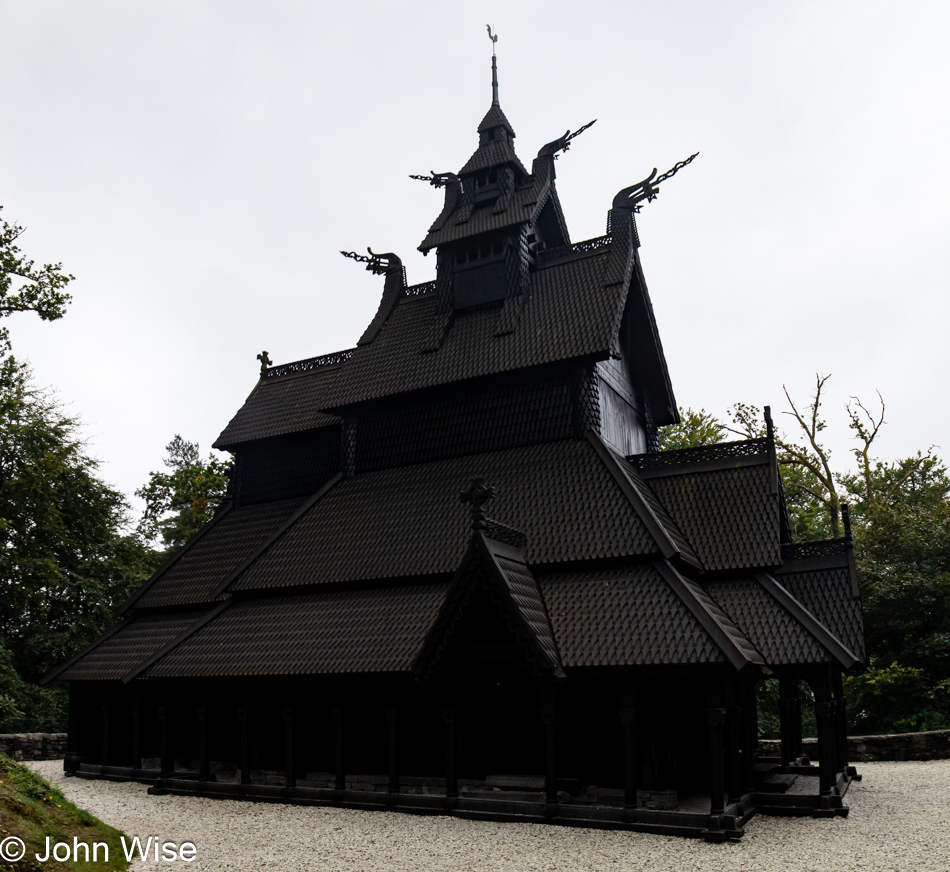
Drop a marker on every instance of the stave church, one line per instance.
(454, 574)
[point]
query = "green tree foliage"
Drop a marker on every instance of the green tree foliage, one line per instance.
(24, 287)
(178, 503)
(902, 542)
(65, 565)
(694, 429)
(901, 525)
(65, 562)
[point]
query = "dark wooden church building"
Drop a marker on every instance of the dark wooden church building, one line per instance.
(454, 574)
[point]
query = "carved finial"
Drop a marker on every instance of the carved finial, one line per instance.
(265, 362)
(377, 264)
(648, 189)
(846, 519)
(769, 428)
(494, 67)
(478, 493)
(437, 180)
(563, 143)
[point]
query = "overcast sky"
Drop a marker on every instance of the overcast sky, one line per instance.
(198, 166)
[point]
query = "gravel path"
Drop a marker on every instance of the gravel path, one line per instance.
(899, 822)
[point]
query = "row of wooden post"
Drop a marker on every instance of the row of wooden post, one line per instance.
(731, 774)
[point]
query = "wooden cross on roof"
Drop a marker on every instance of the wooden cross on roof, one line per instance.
(478, 493)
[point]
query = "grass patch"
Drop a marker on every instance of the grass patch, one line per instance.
(31, 809)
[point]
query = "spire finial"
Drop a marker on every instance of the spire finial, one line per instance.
(494, 67)
(477, 493)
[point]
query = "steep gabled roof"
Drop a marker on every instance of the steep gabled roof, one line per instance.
(459, 220)
(639, 614)
(723, 498)
(559, 493)
(821, 576)
(282, 404)
(332, 631)
(567, 314)
(777, 624)
(196, 571)
(128, 644)
(651, 511)
(501, 568)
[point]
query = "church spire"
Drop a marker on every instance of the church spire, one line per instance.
(495, 118)
(494, 67)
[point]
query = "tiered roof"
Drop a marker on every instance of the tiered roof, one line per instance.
(591, 559)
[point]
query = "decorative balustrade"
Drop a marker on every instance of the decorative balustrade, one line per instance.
(719, 451)
(805, 550)
(582, 247)
(310, 363)
(419, 290)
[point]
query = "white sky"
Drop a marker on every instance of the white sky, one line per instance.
(198, 165)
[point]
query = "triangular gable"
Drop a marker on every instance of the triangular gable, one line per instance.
(512, 587)
(193, 543)
(670, 541)
(721, 497)
(781, 628)
(828, 640)
(125, 646)
(738, 650)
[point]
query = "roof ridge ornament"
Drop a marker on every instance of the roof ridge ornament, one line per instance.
(437, 180)
(494, 67)
(647, 190)
(477, 493)
(265, 362)
(564, 143)
(377, 264)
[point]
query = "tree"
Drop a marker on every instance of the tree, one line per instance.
(178, 503)
(65, 563)
(694, 429)
(902, 542)
(24, 287)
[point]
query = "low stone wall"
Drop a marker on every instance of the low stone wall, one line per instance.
(934, 745)
(33, 746)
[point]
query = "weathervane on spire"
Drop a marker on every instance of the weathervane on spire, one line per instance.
(494, 67)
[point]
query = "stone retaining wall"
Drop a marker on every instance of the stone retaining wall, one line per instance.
(33, 746)
(934, 745)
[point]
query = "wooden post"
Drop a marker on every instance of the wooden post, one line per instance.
(74, 755)
(630, 803)
(716, 717)
(245, 761)
(734, 776)
(136, 750)
(451, 776)
(105, 735)
(202, 744)
(824, 716)
(841, 721)
(290, 774)
(796, 723)
(393, 787)
(340, 782)
(167, 753)
(550, 776)
(751, 737)
(787, 692)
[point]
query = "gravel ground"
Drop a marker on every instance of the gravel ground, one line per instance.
(899, 822)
